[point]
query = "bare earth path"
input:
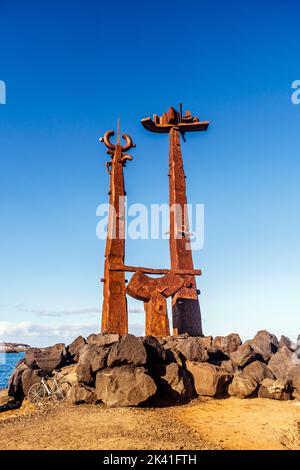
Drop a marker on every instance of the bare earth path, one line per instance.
(201, 424)
(96, 427)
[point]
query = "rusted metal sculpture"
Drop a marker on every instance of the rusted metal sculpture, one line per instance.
(179, 281)
(185, 303)
(114, 311)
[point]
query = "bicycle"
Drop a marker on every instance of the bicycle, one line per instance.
(48, 388)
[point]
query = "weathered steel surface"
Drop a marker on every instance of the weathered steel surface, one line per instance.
(133, 269)
(154, 292)
(164, 123)
(179, 281)
(114, 310)
(185, 303)
(157, 322)
(141, 286)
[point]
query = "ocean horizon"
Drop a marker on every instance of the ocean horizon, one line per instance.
(8, 362)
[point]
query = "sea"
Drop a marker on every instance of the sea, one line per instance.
(7, 365)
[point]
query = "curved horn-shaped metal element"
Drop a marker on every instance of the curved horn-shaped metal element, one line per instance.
(106, 141)
(126, 157)
(129, 143)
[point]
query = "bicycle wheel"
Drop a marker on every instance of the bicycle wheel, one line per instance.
(61, 391)
(36, 394)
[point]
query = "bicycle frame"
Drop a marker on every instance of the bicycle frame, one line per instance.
(47, 388)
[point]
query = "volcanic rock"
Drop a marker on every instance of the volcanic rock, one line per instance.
(174, 382)
(282, 363)
(129, 350)
(275, 389)
(156, 354)
(172, 355)
(294, 376)
(104, 340)
(227, 344)
(92, 358)
(46, 359)
(75, 347)
(68, 373)
(15, 388)
(209, 380)
(170, 344)
(244, 355)
(242, 386)
(285, 341)
(124, 386)
(192, 349)
(246, 382)
(226, 365)
(265, 344)
(258, 371)
(206, 341)
(29, 378)
(82, 394)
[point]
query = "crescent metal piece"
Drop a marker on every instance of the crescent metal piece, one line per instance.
(106, 140)
(126, 157)
(129, 143)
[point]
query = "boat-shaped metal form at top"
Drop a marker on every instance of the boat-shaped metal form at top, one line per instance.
(172, 118)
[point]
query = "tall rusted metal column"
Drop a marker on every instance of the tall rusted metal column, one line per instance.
(185, 303)
(114, 310)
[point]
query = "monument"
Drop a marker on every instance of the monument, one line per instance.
(177, 282)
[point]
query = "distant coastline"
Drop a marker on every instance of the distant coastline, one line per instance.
(13, 347)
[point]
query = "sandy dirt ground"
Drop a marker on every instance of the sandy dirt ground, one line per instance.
(201, 424)
(243, 424)
(96, 427)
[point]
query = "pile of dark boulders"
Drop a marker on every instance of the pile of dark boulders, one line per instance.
(130, 370)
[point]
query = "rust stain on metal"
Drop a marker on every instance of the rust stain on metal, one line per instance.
(154, 292)
(133, 269)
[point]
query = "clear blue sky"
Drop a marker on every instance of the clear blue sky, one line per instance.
(73, 68)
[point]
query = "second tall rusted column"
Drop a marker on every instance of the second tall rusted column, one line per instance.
(185, 303)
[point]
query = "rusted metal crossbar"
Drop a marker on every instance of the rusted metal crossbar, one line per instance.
(133, 269)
